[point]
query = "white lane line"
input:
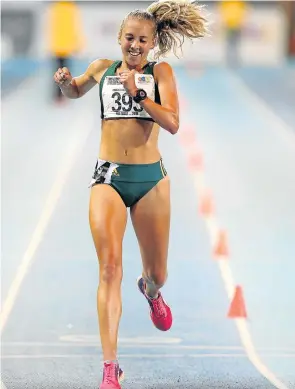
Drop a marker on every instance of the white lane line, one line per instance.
(253, 357)
(84, 125)
(21, 91)
(123, 346)
(275, 121)
(149, 356)
(144, 346)
(88, 338)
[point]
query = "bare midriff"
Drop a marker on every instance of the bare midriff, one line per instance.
(130, 141)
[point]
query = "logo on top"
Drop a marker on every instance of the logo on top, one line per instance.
(145, 78)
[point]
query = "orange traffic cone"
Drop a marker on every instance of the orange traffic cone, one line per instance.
(237, 307)
(206, 204)
(221, 247)
(187, 137)
(196, 161)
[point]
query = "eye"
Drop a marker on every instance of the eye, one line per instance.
(129, 38)
(143, 41)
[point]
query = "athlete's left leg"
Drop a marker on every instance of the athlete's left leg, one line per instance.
(151, 220)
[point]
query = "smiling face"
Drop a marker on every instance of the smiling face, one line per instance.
(137, 39)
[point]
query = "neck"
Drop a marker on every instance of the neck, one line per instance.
(137, 67)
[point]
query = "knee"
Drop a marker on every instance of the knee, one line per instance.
(157, 278)
(110, 272)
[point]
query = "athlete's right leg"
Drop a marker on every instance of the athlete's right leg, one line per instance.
(108, 218)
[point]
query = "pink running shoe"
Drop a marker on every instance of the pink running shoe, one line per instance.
(160, 312)
(112, 375)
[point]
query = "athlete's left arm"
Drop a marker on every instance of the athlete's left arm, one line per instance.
(166, 114)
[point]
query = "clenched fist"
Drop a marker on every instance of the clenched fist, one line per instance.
(63, 77)
(128, 81)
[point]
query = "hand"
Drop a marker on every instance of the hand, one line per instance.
(63, 77)
(128, 80)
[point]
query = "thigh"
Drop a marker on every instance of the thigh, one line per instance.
(107, 218)
(151, 220)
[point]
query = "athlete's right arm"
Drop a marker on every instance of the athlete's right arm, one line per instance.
(75, 87)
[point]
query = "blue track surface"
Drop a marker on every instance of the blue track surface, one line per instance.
(51, 336)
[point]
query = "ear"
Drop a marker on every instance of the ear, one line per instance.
(154, 44)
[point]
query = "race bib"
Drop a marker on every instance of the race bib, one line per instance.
(118, 104)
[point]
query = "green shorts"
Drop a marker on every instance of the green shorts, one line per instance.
(132, 182)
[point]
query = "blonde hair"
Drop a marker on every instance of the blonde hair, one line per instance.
(174, 20)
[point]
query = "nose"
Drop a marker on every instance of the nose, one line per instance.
(135, 45)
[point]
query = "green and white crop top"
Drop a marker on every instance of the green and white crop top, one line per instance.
(115, 101)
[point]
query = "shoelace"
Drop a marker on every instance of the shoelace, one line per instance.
(110, 372)
(159, 307)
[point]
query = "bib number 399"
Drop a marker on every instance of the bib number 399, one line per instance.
(124, 102)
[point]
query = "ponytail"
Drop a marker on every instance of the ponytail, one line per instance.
(175, 21)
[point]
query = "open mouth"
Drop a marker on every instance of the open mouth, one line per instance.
(134, 54)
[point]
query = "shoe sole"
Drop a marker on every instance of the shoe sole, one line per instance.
(121, 377)
(138, 279)
(137, 282)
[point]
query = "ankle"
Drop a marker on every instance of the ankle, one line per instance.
(153, 284)
(151, 292)
(114, 361)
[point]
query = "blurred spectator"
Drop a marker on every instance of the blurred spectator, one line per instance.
(233, 15)
(65, 36)
(289, 8)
